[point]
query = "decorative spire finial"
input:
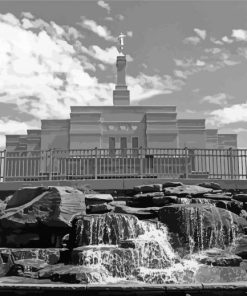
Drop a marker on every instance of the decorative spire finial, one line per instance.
(121, 43)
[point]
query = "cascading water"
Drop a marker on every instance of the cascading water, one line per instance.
(129, 249)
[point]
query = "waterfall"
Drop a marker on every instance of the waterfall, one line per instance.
(128, 249)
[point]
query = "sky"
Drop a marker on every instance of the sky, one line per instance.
(191, 54)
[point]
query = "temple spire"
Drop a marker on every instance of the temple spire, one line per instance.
(121, 93)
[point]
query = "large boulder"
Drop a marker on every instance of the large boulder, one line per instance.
(187, 191)
(103, 229)
(24, 195)
(44, 220)
(54, 207)
(197, 227)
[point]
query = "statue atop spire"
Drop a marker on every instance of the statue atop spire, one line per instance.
(121, 44)
(121, 94)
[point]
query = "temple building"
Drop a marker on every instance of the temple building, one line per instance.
(121, 125)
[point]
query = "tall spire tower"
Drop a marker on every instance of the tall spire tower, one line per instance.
(121, 96)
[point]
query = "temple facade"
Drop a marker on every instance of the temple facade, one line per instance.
(121, 126)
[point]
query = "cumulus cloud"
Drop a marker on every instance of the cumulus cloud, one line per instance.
(44, 69)
(99, 30)
(227, 40)
(192, 40)
(227, 115)
(107, 56)
(145, 86)
(217, 99)
(104, 5)
(10, 127)
(239, 34)
(201, 33)
(215, 41)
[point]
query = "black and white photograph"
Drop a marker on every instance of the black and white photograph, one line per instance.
(123, 147)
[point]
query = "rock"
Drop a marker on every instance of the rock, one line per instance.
(31, 265)
(140, 213)
(148, 188)
(73, 274)
(99, 208)
(6, 263)
(227, 260)
(216, 257)
(242, 197)
(25, 195)
(50, 256)
(172, 184)
(143, 200)
(103, 229)
(97, 198)
(219, 274)
(240, 247)
(43, 221)
(212, 185)
(160, 201)
(54, 207)
(187, 191)
(198, 227)
(217, 196)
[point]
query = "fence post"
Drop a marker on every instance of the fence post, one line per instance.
(230, 168)
(141, 162)
(96, 164)
(186, 162)
(4, 164)
(51, 164)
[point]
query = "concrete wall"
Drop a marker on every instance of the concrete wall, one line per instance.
(55, 134)
(192, 133)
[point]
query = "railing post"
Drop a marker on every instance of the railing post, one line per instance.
(230, 168)
(96, 164)
(51, 164)
(186, 162)
(4, 164)
(141, 162)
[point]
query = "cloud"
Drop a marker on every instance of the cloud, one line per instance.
(239, 34)
(201, 33)
(120, 17)
(99, 30)
(227, 40)
(217, 99)
(145, 86)
(233, 114)
(104, 5)
(109, 18)
(218, 42)
(28, 15)
(192, 40)
(214, 50)
(107, 56)
(45, 69)
(10, 127)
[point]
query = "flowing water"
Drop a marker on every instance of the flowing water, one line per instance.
(130, 249)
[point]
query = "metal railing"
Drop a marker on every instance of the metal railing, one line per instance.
(123, 163)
